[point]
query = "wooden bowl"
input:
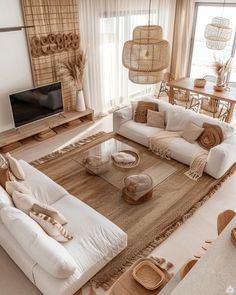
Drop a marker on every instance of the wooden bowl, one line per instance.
(219, 88)
(128, 165)
(148, 275)
(200, 83)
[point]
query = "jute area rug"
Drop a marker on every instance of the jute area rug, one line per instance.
(147, 225)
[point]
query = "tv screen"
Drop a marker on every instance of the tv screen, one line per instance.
(37, 103)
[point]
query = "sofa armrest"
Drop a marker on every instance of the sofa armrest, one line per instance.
(121, 116)
(221, 158)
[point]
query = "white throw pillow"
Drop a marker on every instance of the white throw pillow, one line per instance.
(44, 250)
(5, 199)
(49, 211)
(15, 167)
(227, 129)
(12, 186)
(178, 118)
(24, 202)
(52, 227)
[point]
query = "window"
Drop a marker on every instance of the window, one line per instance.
(201, 58)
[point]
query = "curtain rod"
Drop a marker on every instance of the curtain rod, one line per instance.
(11, 29)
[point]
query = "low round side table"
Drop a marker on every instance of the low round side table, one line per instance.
(137, 189)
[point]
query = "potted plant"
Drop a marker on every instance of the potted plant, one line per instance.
(72, 72)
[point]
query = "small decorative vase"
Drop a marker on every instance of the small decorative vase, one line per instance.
(80, 103)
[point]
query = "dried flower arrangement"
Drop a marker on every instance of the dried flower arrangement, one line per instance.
(221, 68)
(72, 71)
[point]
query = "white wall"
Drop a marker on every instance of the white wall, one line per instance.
(15, 70)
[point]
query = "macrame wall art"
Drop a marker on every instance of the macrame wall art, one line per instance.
(53, 38)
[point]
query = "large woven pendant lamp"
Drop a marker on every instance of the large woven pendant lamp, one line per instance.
(217, 33)
(147, 55)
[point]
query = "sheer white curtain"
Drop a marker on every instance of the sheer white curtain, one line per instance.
(105, 25)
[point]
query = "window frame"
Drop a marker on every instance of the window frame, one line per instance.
(213, 4)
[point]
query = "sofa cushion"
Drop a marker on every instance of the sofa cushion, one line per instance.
(51, 226)
(12, 186)
(227, 129)
(48, 253)
(5, 199)
(211, 136)
(43, 188)
(142, 109)
(156, 119)
(178, 118)
(192, 132)
(138, 132)
(23, 202)
(50, 211)
(15, 167)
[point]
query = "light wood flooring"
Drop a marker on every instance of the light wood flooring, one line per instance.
(180, 246)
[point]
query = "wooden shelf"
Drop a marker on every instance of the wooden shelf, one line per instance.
(11, 138)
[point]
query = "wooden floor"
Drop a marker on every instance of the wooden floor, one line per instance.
(180, 246)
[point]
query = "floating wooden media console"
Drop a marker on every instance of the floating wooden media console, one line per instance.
(43, 129)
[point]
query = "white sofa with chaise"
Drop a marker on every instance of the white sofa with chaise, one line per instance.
(220, 158)
(96, 239)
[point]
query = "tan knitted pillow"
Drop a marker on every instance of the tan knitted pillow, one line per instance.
(211, 136)
(49, 211)
(192, 132)
(142, 109)
(52, 227)
(155, 119)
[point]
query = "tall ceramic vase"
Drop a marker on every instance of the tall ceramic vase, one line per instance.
(80, 103)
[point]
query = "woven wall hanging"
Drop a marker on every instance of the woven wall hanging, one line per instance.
(147, 54)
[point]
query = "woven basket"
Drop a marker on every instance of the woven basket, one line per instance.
(200, 83)
(128, 165)
(148, 275)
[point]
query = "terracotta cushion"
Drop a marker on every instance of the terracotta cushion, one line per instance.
(211, 136)
(142, 109)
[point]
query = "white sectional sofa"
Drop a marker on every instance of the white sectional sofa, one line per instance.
(96, 239)
(220, 158)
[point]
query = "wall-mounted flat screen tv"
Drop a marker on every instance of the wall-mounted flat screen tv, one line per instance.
(36, 104)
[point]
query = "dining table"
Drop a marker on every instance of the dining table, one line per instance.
(228, 95)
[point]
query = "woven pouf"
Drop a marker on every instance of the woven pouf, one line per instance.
(137, 188)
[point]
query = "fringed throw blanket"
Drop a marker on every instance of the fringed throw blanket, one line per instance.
(160, 145)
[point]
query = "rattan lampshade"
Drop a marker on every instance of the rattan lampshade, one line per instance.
(218, 33)
(146, 55)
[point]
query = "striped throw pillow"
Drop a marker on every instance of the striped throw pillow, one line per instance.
(52, 227)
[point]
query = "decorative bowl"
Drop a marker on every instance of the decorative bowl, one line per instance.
(148, 275)
(200, 83)
(219, 88)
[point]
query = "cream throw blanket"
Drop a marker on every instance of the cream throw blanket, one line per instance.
(160, 145)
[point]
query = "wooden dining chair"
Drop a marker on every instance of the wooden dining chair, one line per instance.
(224, 219)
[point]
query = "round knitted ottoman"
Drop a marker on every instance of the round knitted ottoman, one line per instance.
(137, 188)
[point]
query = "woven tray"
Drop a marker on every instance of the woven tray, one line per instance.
(128, 165)
(148, 275)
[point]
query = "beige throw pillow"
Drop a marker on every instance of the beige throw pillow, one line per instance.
(192, 132)
(12, 186)
(23, 202)
(49, 211)
(15, 167)
(156, 119)
(52, 227)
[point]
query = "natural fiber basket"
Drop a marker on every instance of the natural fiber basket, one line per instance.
(148, 275)
(128, 165)
(200, 83)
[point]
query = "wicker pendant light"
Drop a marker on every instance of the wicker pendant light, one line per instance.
(217, 33)
(147, 55)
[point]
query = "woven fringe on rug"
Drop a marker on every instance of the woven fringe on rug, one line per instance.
(68, 148)
(106, 281)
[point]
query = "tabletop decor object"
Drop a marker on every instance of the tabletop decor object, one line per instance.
(128, 159)
(148, 275)
(221, 69)
(201, 82)
(72, 72)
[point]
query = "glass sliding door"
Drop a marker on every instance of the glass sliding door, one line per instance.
(201, 58)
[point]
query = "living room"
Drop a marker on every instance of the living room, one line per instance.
(117, 147)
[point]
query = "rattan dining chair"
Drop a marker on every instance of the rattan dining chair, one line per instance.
(164, 89)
